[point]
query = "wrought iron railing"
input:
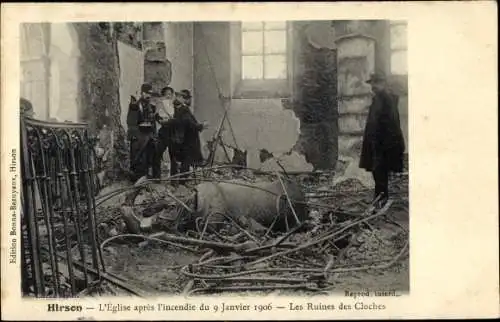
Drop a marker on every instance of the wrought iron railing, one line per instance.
(60, 254)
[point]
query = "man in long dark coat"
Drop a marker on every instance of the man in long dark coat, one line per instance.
(383, 141)
(141, 121)
(182, 136)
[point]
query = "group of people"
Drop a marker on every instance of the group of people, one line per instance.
(178, 132)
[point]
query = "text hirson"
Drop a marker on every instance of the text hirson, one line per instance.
(63, 308)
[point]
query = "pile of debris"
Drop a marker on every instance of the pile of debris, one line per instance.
(235, 230)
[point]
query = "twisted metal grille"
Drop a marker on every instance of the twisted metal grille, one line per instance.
(60, 254)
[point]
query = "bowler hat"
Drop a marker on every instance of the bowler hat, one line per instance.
(376, 77)
(147, 88)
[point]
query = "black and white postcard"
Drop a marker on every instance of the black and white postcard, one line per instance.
(249, 161)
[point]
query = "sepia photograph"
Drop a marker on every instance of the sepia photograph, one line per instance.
(222, 157)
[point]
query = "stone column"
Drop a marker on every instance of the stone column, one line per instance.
(157, 69)
(99, 81)
(356, 61)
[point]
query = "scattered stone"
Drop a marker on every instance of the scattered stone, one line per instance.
(146, 224)
(373, 244)
(143, 244)
(353, 171)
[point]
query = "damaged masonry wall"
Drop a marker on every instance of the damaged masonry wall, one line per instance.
(259, 121)
(314, 97)
(364, 46)
(328, 64)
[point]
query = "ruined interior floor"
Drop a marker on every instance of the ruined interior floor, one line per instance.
(155, 267)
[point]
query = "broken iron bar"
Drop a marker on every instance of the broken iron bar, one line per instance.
(330, 236)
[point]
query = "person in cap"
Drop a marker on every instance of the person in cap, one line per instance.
(383, 142)
(184, 145)
(184, 97)
(141, 121)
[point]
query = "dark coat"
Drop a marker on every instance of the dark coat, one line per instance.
(136, 116)
(183, 134)
(383, 141)
(142, 139)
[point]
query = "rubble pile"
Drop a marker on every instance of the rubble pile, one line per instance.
(163, 238)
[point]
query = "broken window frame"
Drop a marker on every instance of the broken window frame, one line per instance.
(258, 88)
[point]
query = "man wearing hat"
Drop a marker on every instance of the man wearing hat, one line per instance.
(383, 141)
(184, 97)
(184, 145)
(141, 122)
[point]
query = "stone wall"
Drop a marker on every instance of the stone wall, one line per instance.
(131, 76)
(157, 68)
(329, 99)
(279, 125)
(315, 93)
(211, 74)
(379, 59)
(179, 51)
(35, 65)
(99, 90)
(364, 47)
(356, 61)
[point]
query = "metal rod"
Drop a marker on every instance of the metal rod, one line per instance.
(54, 125)
(42, 180)
(29, 212)
(72, 203)
(61, 176)
(92, 224)
(58, 179)
(112, 278)
(288, 199)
